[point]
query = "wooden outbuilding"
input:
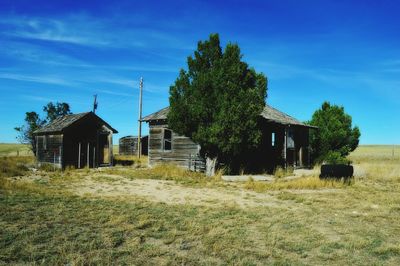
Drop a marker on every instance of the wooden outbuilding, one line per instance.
(128, 145)
(285, 143)
(76, 140)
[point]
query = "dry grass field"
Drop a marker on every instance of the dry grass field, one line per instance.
(167, 216)
(12, 149)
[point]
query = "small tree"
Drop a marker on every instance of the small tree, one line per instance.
(55, 110)
(217, 102)
(335, 135)
(34, 122)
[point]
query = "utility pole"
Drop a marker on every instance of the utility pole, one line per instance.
(139, 150)
(95, 103)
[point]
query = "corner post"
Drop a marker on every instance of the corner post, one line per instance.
(285, 147)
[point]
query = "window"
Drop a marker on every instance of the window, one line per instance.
(167, 140)
(273, 139)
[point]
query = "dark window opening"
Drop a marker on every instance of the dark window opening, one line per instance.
(167, 140)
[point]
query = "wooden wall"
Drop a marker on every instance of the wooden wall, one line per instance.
(184, 151)
(296, 155)
(128, 145)
(263, 159)
(49, 149)
(94, 140)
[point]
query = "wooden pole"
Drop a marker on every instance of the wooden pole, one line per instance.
(95, 103)
(285, 148)
(88, 153)
(79, 156)
(37, 149)
(139, 150)
(94, 156)
(60, 157)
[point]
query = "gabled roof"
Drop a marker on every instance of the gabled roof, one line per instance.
(276, 116)
(63, 122)
(159, 115)
(269, 113)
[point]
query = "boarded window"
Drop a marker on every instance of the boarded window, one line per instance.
(167, 140)
(273, 139)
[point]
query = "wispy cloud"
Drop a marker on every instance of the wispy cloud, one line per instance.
(28, 52)
(38, 98)
(73, 30)
(37, 79)
(87, 31)
(116, 93)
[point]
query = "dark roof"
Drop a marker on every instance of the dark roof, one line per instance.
(159, 115)
(269, 113)
(274, 115)
(63, 122)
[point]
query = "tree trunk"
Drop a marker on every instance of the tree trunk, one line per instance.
(210, 166)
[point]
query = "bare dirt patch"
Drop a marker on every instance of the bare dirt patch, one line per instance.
(169, 192)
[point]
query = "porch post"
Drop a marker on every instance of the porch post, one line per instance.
(285, 148)
(88, 155)
(110, 149)
(79, 156)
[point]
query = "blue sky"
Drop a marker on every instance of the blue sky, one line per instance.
(346, 52)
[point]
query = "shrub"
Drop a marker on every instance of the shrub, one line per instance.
(14, 166)
(335, 133)
(334, 157)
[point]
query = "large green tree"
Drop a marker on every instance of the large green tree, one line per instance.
(34, 122)
(335, 134)
(217, 102)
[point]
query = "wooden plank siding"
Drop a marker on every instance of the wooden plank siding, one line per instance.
(50, 149)
(128, 145)
(76, 140)
(284, 143)
(184, 152)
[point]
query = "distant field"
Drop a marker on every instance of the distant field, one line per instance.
(375, 152)
(115, 149)
(14, 149)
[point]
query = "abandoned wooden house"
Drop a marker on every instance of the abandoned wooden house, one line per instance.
(76, 140)
(285, 143)
(128, 145)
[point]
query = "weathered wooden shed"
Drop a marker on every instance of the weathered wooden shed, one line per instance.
(167, 146)
(285, 143)
(76, 140)
(128, 145)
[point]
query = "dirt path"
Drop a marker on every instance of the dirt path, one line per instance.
(169, 192)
